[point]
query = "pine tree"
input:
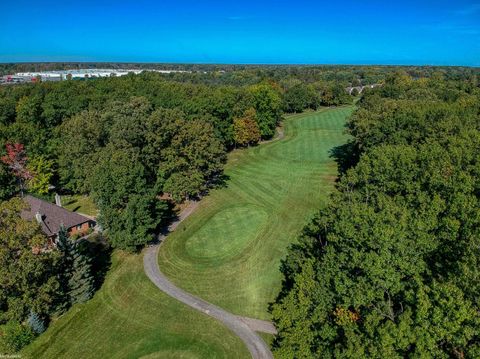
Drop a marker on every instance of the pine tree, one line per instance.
(64, 246)
(81, 283)
(63, 243)
(36, 323)
(77, 279)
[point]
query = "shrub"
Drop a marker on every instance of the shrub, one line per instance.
(14, 336)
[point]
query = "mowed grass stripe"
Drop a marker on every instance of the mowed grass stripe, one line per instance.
(287, 180)
(130, 318)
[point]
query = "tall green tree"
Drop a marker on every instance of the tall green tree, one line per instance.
(134, 225)
(7, 183)
(190, 156)
(129, 209)
(82, 136)
(81, 282)
(41, 170)
(300, 97)
(267, 102)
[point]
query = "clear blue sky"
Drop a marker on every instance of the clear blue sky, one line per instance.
(245, 31)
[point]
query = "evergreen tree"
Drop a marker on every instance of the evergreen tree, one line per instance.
(63, 243)
(81, 283)
(36, 323)
(77, 280)
(64, 246)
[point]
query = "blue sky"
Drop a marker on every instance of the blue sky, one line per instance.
(324, 32)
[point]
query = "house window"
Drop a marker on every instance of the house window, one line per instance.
(79, 227)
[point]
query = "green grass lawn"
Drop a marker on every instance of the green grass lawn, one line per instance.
(80, 204)
(131, 318)
(228, 252)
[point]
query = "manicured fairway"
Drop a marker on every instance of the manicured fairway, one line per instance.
(130, 318)
(228, 252)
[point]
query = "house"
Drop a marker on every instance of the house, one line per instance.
(52, 216)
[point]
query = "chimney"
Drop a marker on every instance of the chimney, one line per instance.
(38, 217)
(58, 200)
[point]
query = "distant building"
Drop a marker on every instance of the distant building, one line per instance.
(52, 216)
(61, 75)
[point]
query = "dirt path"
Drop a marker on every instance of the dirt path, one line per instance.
(243, 327)
(280, 135)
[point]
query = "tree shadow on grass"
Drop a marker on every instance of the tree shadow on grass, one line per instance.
(221, 181)
(100, 253)
(346, 156)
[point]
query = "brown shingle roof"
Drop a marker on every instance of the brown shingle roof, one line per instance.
(53, 216)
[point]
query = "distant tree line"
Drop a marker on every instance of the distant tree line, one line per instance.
(231, 74)
(391, 267)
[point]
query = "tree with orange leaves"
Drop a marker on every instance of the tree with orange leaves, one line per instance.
(246, 131)
(16, 160)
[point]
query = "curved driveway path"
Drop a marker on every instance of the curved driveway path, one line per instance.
(244, 328)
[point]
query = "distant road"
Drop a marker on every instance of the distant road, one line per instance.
(244, 328)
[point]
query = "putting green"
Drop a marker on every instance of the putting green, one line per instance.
(229, 251)
(243, 222)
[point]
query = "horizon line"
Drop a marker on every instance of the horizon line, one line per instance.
(240, 63)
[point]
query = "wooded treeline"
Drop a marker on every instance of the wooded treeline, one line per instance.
(235, 74)
(391, 268)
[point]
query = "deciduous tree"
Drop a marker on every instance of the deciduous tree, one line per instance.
(28, 276)
(16, 160)
(246, 131)
(268, 104)
(41, 172)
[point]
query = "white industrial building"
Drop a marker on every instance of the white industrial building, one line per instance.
(60, 75)
(85, 73)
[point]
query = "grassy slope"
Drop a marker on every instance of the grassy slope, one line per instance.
(81, 204)
(130, 318)
(228, 252)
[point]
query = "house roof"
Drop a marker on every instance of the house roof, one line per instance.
(53, 216)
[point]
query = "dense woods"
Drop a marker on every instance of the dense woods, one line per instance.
(390, 269)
